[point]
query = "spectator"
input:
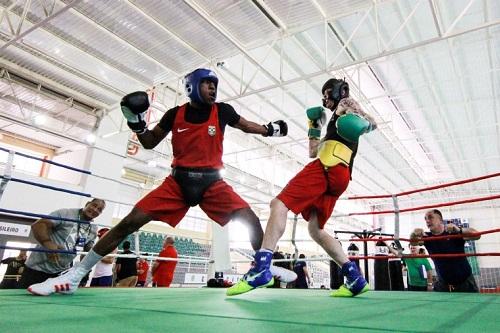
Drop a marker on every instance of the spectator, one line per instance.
(300, 268)
(60, 235)
(453, 274)
(103, 273)
(126, 268)
(142, 271)
(15, 266)
(163, 270)
(419, 270)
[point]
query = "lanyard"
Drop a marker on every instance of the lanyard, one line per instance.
(78, 238)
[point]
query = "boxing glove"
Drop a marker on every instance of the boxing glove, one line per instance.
(351, 126)
(276, 128)
(134, 107)
(317, 119)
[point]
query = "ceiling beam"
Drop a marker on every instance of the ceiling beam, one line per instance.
(367, 59)
(20, 35)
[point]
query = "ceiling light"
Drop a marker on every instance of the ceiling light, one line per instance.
(105, 136)
(39, 119)
(90, 139)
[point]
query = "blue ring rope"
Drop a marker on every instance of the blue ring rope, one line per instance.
(43, 216)
(46, 186)
(48, 161)
(34, 249)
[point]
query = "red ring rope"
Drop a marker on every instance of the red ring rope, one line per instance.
(464, 181)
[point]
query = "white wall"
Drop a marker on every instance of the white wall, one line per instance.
(34, 199)
(74, 159)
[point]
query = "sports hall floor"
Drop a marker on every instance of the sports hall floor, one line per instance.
(266, 310)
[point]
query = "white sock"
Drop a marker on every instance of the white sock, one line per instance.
(88, 262)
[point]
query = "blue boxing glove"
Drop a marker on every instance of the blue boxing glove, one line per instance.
(134, 107)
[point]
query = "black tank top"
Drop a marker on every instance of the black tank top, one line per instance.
(331, 134)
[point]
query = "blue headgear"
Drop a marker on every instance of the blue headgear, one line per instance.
(192, 83)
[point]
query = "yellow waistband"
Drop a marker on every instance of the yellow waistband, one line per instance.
(331, 153)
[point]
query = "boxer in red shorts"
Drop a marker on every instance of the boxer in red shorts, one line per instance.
(314, 191)
(197, 131)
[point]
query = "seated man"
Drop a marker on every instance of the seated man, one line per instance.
(60, 235)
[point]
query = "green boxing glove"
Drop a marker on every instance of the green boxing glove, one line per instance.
(351, 126)
(317, 119)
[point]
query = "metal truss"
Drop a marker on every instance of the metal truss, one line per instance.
(385, 49)
(27, 108)
(17, 33)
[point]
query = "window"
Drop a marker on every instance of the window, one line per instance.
(22, 164)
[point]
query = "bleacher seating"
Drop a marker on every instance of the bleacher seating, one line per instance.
(153, 243)
(248, 253)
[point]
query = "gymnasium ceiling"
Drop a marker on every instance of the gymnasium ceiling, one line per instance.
(427, 70)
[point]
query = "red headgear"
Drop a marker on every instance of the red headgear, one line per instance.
(102, 232)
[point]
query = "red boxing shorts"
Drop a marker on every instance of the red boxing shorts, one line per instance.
(313, 189)
(166, 202)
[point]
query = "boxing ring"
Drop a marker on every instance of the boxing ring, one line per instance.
(263, 310)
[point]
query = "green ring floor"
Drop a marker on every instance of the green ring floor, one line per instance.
(262, 310)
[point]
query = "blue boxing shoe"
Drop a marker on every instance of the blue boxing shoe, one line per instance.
(257, 277)
(355, 282)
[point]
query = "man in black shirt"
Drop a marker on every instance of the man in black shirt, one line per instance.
(454, 274)
(300, 268)
(15, 266)
(126, 268)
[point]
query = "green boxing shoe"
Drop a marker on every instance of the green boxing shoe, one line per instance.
(243, 287)
(343, 291)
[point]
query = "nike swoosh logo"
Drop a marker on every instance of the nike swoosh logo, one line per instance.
(180, 130)
(349, 285)
(253, 277)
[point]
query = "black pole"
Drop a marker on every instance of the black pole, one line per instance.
(365, 232)
(365, 247)
(364, 235)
